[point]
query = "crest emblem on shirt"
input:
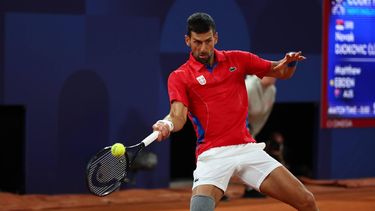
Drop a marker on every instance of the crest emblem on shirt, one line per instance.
(201, 80)
(232, 69)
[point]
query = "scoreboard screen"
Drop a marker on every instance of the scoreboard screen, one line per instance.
(348, 79)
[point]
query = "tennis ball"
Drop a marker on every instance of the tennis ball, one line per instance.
(118, 150)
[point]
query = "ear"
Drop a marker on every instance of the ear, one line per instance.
(216, 37)
(187, 40)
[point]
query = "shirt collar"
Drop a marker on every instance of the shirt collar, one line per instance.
(195, 65)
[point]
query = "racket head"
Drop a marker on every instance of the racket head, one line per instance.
(105, 172)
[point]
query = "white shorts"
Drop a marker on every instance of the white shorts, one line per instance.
(247, 161)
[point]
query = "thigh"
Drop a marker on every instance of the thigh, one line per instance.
(255, 166)
(214, 170)
(284, 186)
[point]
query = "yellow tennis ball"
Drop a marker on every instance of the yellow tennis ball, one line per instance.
(118, 150)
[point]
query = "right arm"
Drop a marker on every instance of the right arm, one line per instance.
(173, 122)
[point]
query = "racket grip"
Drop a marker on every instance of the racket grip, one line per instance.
(151, 138)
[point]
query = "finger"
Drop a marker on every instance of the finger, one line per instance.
(288, 55)
(301, 58)
(296, 56)
(166, 135)
(291, 56)
(160, 137)
(157, 127)
(164, 131)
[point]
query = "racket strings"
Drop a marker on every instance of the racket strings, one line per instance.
(106, 172)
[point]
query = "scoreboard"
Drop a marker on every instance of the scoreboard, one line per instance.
(348, 78)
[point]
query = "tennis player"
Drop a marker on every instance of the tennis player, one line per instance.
(210, 90)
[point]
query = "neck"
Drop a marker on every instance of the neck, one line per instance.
(212, 60)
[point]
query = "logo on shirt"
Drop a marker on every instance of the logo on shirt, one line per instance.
(201, 80)
(232, 69)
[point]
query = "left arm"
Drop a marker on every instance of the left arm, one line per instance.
(267, 81)
(285, 68)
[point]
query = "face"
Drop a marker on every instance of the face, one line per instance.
(202, 46)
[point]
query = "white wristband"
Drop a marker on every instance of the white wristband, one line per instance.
(169, 123)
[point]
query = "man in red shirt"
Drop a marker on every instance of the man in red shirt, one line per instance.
(210, 89)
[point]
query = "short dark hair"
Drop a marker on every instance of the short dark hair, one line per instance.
(200, 23)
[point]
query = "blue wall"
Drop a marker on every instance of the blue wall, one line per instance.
(94, 72)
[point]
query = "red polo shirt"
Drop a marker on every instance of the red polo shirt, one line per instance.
(217, 100)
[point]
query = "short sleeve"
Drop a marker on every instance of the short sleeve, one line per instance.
(177, 88)
(257, 66)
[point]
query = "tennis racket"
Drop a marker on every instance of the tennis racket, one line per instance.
(105, 173)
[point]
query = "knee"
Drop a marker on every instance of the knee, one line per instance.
(202, 203)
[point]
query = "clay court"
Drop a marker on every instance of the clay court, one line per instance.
(348, 195)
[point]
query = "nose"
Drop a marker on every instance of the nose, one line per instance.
(204, 48)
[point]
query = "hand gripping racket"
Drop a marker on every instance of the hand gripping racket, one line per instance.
(105, 173)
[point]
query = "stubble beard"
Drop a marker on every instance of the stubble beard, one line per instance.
(204, 61)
